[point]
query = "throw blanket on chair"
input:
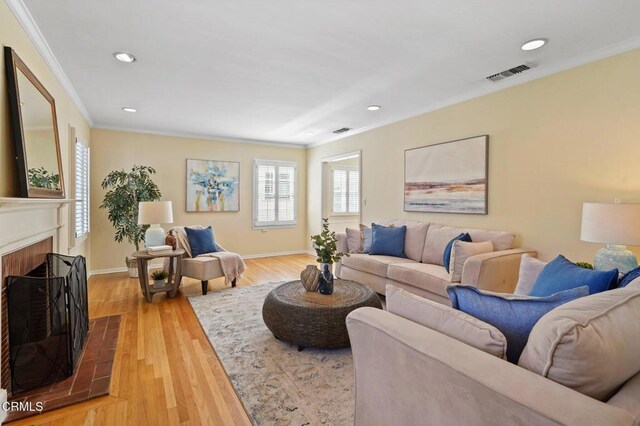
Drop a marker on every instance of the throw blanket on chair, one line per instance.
(231, 264)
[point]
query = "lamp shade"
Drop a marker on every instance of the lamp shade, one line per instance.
(611, 223)
(155, 212)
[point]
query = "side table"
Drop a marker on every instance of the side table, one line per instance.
(173, 281)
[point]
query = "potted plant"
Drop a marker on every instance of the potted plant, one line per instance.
(159, 278)
(326, 247)
(124, 191)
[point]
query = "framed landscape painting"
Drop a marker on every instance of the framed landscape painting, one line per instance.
(213, 186)
(449, 177)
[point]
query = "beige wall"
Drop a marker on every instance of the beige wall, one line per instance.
(554, 143)
(12, 35)
(112, 150)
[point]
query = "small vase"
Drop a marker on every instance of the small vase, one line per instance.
(158, 284)
(326, 279)
(310, 278)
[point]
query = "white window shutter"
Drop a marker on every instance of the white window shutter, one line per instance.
(275, 196)
(354, 190)
(82, 224)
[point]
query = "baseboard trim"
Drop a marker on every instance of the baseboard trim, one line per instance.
(152, 265)
(275, 254)
(248, 256)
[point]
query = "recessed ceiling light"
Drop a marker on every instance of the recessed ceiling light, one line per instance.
(374, 107)
(309, 133)
(124, 57)
(534, 44)
(129, 109)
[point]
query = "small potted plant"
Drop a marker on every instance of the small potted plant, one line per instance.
(326, 246)
(159, 278)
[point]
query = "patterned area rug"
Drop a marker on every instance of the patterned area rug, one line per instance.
(277, 384)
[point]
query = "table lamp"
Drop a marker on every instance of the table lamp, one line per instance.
(154, 213)
(616, 225)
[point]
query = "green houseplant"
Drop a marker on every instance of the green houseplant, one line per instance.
(124, 191)
(159, 278)
(326, 247)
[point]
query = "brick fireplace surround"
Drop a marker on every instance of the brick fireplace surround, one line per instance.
(30, 229)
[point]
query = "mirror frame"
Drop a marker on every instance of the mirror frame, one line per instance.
(13, 63)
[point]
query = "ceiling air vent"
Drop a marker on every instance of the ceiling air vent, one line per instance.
(508, 73)
(344, 129)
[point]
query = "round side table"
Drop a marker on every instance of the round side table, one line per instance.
(143, 258)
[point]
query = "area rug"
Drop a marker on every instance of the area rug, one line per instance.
(277, 384)
(91, 378)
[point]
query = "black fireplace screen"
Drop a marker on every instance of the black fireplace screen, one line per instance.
(48, 321)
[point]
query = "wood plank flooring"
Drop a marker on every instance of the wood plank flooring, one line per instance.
(165, 371)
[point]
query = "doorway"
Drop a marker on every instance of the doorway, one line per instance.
(341, 191)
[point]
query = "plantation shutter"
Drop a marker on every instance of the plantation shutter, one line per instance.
(346, 189)
(274, 193)
(81, 190)
(339, 191)
(354, 189)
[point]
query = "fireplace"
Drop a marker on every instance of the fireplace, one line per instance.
(48, 321)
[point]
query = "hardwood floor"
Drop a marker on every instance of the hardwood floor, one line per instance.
(165, 371)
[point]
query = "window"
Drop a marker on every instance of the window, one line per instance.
(274, 193)
(346, 187)
(81, 190)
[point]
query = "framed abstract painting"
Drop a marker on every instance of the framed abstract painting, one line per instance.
(449, 177)
(213, 186)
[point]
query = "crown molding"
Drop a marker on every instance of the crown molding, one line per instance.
(291, 145)
(487, 87)
(29, 25)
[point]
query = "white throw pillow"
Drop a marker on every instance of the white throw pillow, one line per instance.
(446, 320)
(590, 344)
(461, 251)
(530, 268)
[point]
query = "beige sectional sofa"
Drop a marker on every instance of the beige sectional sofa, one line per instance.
(418, 364)
(422, 271)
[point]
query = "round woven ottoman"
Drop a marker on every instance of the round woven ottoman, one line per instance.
(312, 319)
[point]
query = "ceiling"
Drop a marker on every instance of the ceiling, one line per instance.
(274, 70)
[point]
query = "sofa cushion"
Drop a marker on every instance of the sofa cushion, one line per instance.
(530, 268)
(438, 236)
(562, 274)
(463, 250)
(513, 315)
(590, 345)
(414, 239)
(388, 241)
(446, 256)
(425, 276)
(628, 396)
(202, 268)
(446, 320)
(373, 264)
(366, 238)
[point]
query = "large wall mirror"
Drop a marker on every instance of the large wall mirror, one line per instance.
(35, 131)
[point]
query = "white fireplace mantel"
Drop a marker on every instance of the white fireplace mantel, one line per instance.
(25, 220)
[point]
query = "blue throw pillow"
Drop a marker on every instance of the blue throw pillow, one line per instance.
(387, 241)
(562, 274)
(628, 277)
(446, 256)
(513, 315)
(366, 238)
(201, 241)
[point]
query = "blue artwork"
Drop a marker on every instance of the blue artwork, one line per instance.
(213, 186)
